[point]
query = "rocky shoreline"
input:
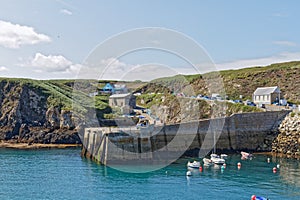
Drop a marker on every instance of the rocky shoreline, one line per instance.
(27, 117)
(287, 142)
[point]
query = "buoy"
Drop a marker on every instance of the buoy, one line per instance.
(278, 166)
(274, 169)
(188, 173)
(253, 197)
(239, 165)
(200, 168)
(268, 160)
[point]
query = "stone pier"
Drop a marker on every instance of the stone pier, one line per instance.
(245, 131)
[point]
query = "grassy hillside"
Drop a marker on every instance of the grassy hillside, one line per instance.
(61, 93)
(238, 82)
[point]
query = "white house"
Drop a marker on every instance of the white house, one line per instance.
(266, 95)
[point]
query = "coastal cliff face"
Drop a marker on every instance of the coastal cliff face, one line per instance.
(288, 140)
(26, 116)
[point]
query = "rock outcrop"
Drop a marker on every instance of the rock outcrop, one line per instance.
(26, 116)
(288, 140)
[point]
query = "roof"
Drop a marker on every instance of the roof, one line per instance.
(266, 90)
(120, 95)
(120, 86)
(108, 85)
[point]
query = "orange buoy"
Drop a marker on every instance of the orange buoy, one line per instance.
(239, 165)
(200, 168)
(274, 169)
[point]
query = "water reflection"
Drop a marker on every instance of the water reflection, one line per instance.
(289, 170)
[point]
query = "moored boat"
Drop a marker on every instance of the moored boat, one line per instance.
(207, 162)
(246, 155)
(216, 159)
(224, 156)
(194, 164)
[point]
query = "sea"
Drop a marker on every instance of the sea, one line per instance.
(64, 174)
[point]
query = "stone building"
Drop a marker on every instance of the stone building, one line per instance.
(266, 95)
(126, 102)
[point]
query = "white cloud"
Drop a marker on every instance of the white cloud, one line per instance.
(2, 69)
(285, 43)
(15, 35)
(53, 63)
(114, 69)
(66, 12)
(282, 57)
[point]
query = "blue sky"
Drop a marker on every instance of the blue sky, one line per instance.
(52, 38)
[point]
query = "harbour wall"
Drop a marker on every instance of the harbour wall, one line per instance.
(245, 131)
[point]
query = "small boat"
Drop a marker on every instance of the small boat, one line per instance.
(216, 159)
(194, 164)
(246, 155)
(253, 197)
(224, 156)
(207, 162)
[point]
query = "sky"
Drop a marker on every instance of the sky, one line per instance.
(56, 39)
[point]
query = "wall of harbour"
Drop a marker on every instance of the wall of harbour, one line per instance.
(245, 131)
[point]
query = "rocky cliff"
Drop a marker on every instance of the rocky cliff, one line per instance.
(27, 116)
(288, 140)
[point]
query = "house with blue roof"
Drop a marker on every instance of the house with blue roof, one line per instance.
(111, 88)
(108, 88)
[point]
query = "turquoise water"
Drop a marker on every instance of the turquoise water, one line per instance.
(63, 174)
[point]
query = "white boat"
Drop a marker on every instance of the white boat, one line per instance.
(216, 159)
(224, 156)
(246, 155)
(207, 162)
(194, 164)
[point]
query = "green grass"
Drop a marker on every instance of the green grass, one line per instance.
(237, 82)
(60, 93)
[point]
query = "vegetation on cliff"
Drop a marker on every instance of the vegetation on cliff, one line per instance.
(173, 109)
(43, 111)
(237, 82)
(48, 111)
